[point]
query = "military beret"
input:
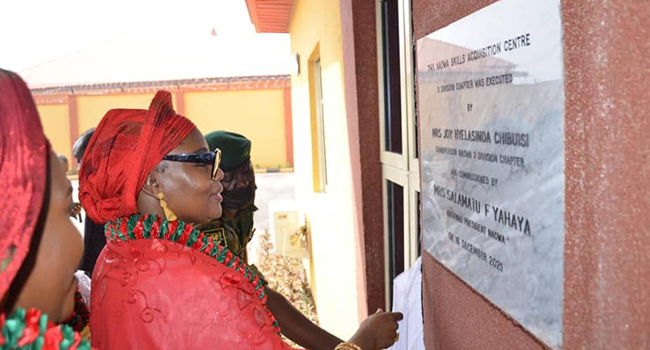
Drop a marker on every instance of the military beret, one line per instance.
(235, 148)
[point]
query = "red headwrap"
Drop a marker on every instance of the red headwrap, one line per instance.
(24, 157)
(126, 146)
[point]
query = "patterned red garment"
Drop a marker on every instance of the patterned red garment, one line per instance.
(126, 146)
(160, 284)
(165, 285)
(24, 157)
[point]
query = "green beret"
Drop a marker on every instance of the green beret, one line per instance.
(235, 148)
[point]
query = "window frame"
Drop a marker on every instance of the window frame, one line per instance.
(317, 121)
(402, 169)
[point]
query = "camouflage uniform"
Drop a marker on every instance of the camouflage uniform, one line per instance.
(234, 233)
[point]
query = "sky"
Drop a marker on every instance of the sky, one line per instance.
(35, 33)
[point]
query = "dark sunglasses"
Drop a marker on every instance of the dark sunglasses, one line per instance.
(213, 158)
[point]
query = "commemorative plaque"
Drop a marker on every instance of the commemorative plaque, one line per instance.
(491, 108)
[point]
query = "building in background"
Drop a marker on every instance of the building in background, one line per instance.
(350, 107)
(256, 106)
(357, 168)
(222, 74)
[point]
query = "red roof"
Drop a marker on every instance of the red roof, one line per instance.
(270, 16)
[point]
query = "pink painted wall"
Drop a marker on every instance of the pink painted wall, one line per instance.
(607, 245)
(607, 228)
(358, 31)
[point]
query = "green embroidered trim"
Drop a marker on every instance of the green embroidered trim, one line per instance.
(13, 328)
(119, 233)
(164, 226)
(147, 224)
(206, 242)
(215, 250)
(220, 254)
(194, 235)
(68, 338)
(110, 229)
(42, 324)
(179, 232)
(20, 324)
(130, 225)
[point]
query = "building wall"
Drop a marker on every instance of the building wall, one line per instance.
(316, 27)
(260, 114)
(358, 24)
(607, 267)
(91, 109)
(56, 125)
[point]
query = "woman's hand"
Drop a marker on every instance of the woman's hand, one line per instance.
(378, 331)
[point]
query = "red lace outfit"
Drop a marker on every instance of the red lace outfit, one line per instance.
(164, 285)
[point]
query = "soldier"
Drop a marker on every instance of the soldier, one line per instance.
(235, 229)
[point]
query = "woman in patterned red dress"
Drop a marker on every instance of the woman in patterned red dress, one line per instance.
(40, 248)
(160, 283)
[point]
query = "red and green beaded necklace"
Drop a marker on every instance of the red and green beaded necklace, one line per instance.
(31, 330)
(147, 226)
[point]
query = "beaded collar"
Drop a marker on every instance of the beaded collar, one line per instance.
(31, 330)
(148, 226)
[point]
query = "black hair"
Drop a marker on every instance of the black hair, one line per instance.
(79, 147)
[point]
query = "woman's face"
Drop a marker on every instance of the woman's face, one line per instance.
(188, 188)
(51, 285)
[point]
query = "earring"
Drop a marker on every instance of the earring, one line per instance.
(169, 214)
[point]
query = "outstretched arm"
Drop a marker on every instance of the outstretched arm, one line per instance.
(296, 326)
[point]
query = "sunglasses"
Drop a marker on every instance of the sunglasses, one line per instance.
(213, 158)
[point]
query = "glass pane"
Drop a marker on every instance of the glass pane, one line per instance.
(416, 132)
(391, 72)
(417, 224)
(319, 155)
(321, 124)
(395, 198)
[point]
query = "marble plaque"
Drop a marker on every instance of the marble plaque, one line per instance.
(491, 108)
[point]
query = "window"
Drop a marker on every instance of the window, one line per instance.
(319, 155)
(398, 121)
(395, 212)
(392, 105)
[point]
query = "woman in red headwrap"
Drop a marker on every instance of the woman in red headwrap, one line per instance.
(160, 283)
(40, 248)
